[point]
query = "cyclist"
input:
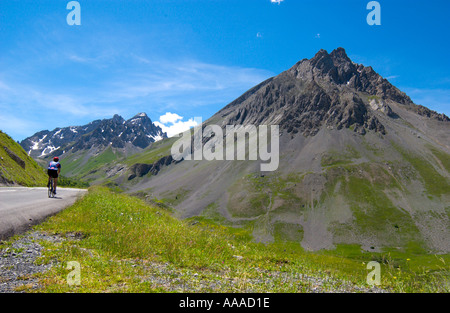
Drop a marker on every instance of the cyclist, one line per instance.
(53, 170)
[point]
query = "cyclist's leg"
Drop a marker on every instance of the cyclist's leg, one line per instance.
(55, 180)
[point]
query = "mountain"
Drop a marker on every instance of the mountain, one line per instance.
(139, 131)
(16, 167)
(359, 164)
(327, 90)
(83, 150)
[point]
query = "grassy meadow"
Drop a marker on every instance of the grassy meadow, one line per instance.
(123, 244)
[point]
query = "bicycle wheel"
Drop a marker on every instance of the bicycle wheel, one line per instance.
(50, 189)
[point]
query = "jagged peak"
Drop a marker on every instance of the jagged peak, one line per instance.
(142, 114)
(339, 53)
(117, 118)
(322, 60)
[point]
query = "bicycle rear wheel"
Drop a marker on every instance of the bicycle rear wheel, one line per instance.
(50, 189)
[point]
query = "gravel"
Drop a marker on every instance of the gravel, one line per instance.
(18, 266)
(18, 262)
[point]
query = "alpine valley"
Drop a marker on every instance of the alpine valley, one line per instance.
(85, 149)
(360, 163)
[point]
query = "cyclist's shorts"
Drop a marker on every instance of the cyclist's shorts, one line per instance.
(52, 173)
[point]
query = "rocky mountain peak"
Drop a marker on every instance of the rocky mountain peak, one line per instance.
(118, 119)
(326, 90)
(138, 131)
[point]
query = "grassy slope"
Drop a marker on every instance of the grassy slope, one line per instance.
(368, 187)
(31, 175)
(152, 154)
(77, 167)
(127, 245)
(92, 169)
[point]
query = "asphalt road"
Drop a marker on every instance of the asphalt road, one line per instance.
(22, 207)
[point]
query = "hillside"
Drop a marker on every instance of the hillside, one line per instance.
(16, 167)
(360, 164)
(126, 245)
(85, 149)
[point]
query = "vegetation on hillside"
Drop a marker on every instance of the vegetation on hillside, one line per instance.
(16, 167)
(125, 245)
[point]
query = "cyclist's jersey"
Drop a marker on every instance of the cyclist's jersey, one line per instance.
(54, 165)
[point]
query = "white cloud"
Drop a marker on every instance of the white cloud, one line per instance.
(179, 85)
(175, 86)
(169, 118)
(276, 1)
(173, 124)
(392, 77)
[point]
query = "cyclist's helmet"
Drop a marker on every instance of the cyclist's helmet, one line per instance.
(56, 159)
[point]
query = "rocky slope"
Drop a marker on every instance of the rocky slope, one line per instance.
(329, 90)
(360, 164)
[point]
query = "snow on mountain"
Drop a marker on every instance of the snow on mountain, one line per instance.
(138, 131)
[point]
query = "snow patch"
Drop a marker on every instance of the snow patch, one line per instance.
(155, 138)
(48, 150)
(36, 144)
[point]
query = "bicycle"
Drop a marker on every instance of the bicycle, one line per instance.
(51, 190)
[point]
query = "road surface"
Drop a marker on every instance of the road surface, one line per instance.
(22, 207)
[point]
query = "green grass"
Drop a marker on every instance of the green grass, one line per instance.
(71, 163)
(125, 245)
(92, 169)
(152, 154)
(253, 195)
(373, 98)
(434, 183)
(71, 182)
(31, 175)
(443, 157)
(335, 158)
(76, 166)
(376, 216)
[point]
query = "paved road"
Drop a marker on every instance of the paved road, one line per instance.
(22, 207)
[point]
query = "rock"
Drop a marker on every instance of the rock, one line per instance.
(14, 157)
(141, 169)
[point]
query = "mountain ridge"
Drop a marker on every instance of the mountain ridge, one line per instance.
(325, 89)
(360, 163)
(138, 131)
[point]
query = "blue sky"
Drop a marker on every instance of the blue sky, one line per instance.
(192, 57)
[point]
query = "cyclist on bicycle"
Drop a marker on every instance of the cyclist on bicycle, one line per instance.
(53, 170)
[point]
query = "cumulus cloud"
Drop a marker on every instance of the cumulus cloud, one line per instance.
(276, 1)
(173, 124)
(170, 118)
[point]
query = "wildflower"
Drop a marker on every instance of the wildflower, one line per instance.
(408, 259)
